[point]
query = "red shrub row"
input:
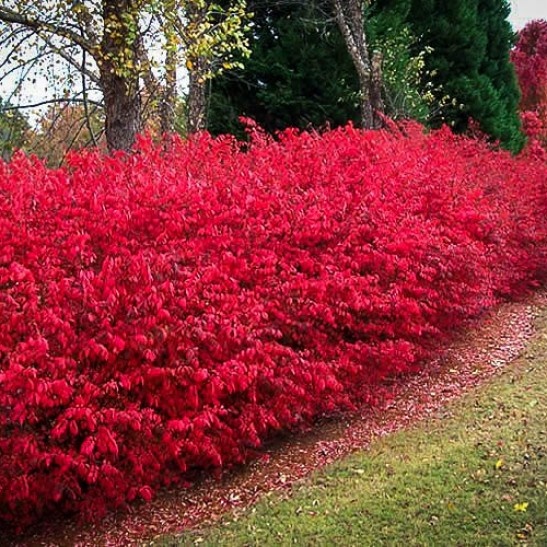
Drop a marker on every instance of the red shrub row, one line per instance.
(168, 311)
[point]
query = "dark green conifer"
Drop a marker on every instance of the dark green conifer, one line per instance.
(469, 63)
(299, 74)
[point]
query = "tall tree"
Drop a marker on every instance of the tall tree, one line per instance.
(105, 43)
(469, 61)
(216, 43)
(298, 74)
(350, 16)
(97, 38)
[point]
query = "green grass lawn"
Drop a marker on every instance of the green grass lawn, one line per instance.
(477, 476)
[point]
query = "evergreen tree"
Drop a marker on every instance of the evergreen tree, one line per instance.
(299, 74)
(471, 41)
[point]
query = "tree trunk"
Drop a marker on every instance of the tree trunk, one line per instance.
(169, 95)
(196, 107)
(349, 16)
(122, 111)
(168, 101)
(197, 99)
(376, 85)
(120, 75)
(365, 106)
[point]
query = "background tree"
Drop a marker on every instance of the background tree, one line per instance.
(104, 44)
(14, 130)
(65, 127)
(298, 74)
(208, 38)
(530, 60)
(350, 16)
(470, 41)
(406, 90)
(99, 39)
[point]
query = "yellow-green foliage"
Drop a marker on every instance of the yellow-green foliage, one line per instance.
(218, 36)
(409, 90)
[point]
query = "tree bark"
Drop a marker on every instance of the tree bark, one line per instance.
(197, 85)
(122, 111)
(376, 85)
(169, 95)
(197, 100)
(349, 16)
(119, 76)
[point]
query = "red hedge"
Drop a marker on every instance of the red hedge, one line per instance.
(168, 311)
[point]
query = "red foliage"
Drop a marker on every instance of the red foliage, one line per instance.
(166, 312)
(530, 59)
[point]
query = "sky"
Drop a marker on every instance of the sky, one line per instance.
(523, 11)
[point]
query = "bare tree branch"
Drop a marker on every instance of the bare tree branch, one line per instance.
(26, 69)
(13, 48)
(76, 135)
(78, 65)
(86, 102)
(9, 16)
(51, 101)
